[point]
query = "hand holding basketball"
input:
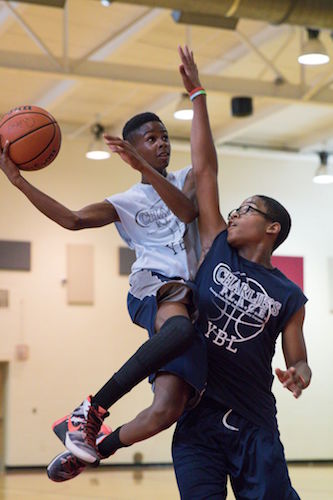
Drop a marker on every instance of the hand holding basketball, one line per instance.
(34, 137)
(7, 166)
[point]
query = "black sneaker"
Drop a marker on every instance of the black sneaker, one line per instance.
(78, 431)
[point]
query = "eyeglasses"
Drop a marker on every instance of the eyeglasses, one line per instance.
(244, 209)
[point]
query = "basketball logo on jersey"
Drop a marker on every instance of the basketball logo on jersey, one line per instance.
(159, 215)
(159, 219)
(242, 308)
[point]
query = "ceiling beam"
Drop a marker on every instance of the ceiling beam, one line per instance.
(98, 53)
(30, 32)
(318, 86)
(240, 50)
(65, 37)
(250, 151)
(154, 106)
(265, 35)
(315, 139)
(126, 34)
(101, 117)
(109, 46)
(5, 14)
(164, 78)
(241, 125)
(56, 94)
(268, 63)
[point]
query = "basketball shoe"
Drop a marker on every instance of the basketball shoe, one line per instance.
(67, 466)
(78, 431)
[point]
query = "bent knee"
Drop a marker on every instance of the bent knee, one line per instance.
(163, 415)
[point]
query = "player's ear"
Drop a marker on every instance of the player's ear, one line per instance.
(273, 228)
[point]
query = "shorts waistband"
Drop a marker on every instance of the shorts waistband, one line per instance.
(208, 402)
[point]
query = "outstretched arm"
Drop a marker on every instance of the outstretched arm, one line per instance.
(298, 374)
(204, 159)
(95, 215)
(178, 201)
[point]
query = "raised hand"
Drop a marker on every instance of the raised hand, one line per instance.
(126, 151)
(188, 69)
(8, 166)
(291, 380)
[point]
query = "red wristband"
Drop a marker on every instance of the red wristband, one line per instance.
(195, 90)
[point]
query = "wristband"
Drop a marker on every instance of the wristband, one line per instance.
(195, 90)
(199, 92)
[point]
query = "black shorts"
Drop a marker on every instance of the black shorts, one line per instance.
(211, 443)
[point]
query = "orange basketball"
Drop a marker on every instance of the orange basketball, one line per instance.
(33, 134)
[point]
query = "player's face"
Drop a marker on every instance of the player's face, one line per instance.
(152, 142)
(248, 223)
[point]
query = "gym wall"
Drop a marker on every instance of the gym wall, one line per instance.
(75, 348)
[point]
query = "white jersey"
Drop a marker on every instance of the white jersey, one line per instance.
(162, 243)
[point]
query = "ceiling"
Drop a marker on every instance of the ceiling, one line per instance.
(85, 63)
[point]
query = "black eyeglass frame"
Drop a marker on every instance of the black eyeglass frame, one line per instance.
(244, 209)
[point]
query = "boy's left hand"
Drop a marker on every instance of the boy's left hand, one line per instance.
(188, 69)
(291, 380)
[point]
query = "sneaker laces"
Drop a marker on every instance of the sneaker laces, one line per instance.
(72, 464)
(93, 425)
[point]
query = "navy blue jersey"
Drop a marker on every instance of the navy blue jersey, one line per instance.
(243, 307)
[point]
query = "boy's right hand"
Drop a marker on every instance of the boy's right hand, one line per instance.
(9, 168)
(188, 69)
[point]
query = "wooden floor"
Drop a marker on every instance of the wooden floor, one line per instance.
(311, 482)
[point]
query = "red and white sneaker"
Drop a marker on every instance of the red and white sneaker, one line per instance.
(79, 430)
(66, 466)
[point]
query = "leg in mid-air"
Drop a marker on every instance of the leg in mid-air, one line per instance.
(78, 430)
(171, 395)
(176, 386)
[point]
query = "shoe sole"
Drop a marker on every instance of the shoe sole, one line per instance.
(80, 453)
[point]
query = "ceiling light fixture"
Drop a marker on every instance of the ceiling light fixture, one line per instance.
(323, 174)
(97, 149)
(106, 3)
(313, 51)
(184, 109)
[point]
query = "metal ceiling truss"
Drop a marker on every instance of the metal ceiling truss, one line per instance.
(91, 66)
(163, 78)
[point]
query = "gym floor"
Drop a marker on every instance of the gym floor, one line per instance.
(312, 482)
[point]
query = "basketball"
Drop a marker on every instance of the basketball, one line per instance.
(34, 137)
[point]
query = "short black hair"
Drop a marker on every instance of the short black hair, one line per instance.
(137, 121)
(277, 213)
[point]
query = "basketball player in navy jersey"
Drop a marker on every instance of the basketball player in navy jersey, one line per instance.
(153, 217)
(244, 304)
